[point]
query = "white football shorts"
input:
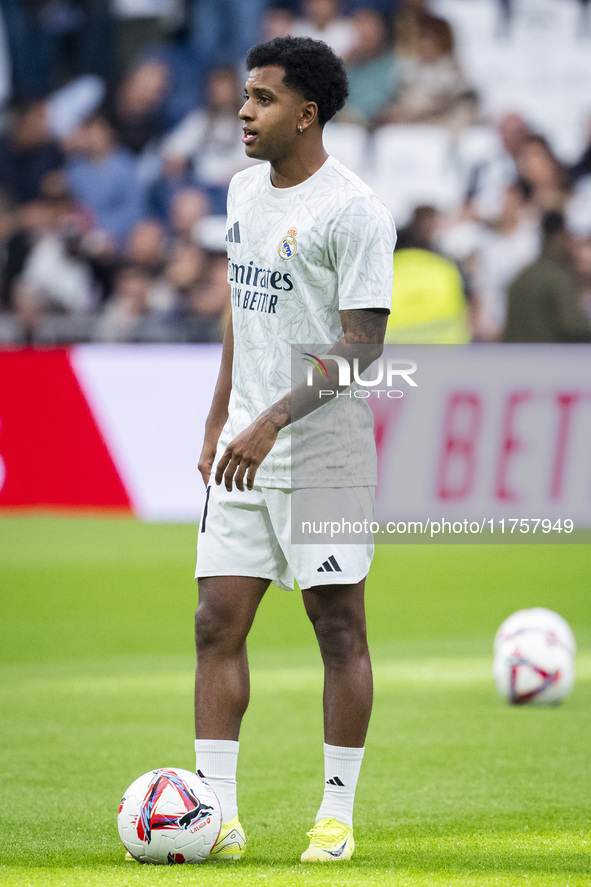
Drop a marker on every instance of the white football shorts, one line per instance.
(249, 534)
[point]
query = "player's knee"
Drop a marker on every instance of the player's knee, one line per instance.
(341, 637)
(216, 630)
(209, 628)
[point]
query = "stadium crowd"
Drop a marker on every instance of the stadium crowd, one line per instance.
(119, 135)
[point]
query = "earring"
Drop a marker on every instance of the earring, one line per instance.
(300, 128)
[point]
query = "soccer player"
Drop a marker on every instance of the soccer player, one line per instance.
(310, 260)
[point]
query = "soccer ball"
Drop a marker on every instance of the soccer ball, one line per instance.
(169, 816)
(534, 654)
(536, 619)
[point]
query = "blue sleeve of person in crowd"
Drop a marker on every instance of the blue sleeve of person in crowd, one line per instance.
(112, 190)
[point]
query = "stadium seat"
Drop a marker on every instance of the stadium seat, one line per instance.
(413, 165)
(473, 22)
(540, 69)
(348, 143)
(473, 147)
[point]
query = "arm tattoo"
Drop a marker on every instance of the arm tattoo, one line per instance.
(364, 326)
(362, 341)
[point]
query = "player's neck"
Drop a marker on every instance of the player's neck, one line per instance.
(298, 167)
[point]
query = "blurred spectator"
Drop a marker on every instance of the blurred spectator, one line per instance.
(188, 207)
(222, 31)
(504, 249)
(52, 41)
(433, 88)
(543, 173)
(103, 178)
(323, 20)
(210, 140)
(57, 277)
(210, 303)
(544, 300)
(421, 231)
(129, 308)
(371, 67)
(199, 293)
(72, 37)
(428, 301)
(185, 273)
(194, 293)
(186, 76)
(139, 24)
(20, 227)
(213, 301)
(186, 304)
(277, 22)
(136, 109)
(146, 246)
(488, 180)
(407, 15)
(151, 184)
(28, 153)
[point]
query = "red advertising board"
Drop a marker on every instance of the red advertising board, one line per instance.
(52, 452)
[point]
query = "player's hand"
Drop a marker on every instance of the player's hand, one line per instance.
(206, 460)
(245, 453)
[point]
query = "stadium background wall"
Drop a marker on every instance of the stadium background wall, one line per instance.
(489, 432)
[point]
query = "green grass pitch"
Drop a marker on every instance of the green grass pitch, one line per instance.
(457, 788)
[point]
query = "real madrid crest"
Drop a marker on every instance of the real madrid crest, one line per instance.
(288, 246)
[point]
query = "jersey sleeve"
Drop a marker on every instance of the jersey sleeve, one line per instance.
(362, 244)
(229, 224)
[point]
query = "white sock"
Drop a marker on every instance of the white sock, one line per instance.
(341, 772)
(216, 762)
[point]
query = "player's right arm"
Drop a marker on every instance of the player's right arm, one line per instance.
(218, 412)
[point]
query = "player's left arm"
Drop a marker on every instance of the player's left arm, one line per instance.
(363, 338)
(367, 327)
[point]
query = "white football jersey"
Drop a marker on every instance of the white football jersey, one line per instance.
(297, 256)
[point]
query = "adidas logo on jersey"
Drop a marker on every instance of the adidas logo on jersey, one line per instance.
(334, 780)
(330, 566)
(233, 233)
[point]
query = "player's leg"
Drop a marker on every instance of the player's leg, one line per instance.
(235, 537)
(338, 615)
(227, 607)
(226, 610)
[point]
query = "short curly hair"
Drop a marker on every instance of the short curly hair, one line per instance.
(311, 67)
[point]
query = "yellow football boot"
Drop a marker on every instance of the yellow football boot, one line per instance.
(231, 843)
(330, 841)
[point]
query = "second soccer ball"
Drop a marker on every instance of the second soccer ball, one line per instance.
(534, 658)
